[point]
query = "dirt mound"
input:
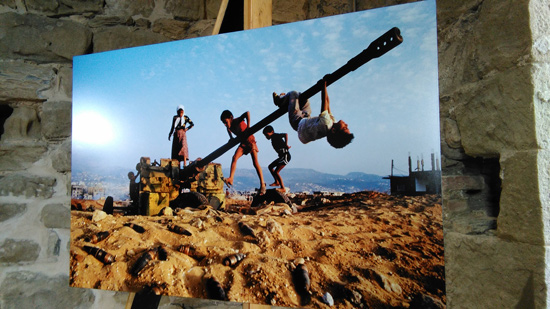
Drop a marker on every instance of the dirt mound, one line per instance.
(366, 250)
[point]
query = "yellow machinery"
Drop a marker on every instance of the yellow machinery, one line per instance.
(161, 186)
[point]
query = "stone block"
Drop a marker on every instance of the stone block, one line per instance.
(451, 133)
(497, 114)
(56, 216)
(23, 124)
(462, 183)
(122, 37)
(63, 7)
(488, 272)
(521, 213)
(109, 21)
(56, 120)
(24, 289)
(10, 211)
(23, 81)
(450, 206)
(213, 7)
(42, 39)
(201, 28)
(19, 157)
(323, 8)
(9, 3)
(18, 251)
(26, 185)
(185, 10)
(61, 157)
(124, 8)
(468, 222)
(173, 29)
(289, 11)
(54, 244)
(541, 71)
(372, 4)
(475, 57)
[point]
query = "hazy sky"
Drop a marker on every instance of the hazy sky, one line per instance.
(123, 101)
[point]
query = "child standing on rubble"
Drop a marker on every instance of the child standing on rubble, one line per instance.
(314, 128)
(279, 141)
(239, 126)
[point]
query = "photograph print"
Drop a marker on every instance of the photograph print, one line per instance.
(296, 165)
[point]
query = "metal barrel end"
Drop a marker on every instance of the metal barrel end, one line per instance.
(396, 34)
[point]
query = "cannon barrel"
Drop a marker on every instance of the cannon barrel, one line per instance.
(377, 48)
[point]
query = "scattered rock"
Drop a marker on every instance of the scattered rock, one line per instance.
(198, 223)
(166, 211)
(274, 228)
(263, 239)
(390, 286)
(299, 261)
(327, 299)
(356, 298)
(423, 301)
(99, 215)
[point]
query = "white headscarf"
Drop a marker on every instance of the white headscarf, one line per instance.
(180, 107)
(179, 119)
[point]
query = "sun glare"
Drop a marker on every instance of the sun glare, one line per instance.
(92, 128)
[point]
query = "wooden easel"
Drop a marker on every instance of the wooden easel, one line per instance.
(255, 14)
(232, 16)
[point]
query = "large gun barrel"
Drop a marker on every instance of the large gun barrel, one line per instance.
(377, 48)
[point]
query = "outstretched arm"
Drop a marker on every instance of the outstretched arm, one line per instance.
(325, 101)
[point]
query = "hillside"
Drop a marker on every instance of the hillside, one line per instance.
(299, 180)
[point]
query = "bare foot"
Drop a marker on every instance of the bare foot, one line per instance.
(274, 184)
(262, 189)
(277, 99)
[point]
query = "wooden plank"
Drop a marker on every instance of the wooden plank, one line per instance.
(257, 14)
(219, 19)
(130, 300)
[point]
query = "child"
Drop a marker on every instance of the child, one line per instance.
(279, 141)
(238, 126)
(313, 128)
(179, 129)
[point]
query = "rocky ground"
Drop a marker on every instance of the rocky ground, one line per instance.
(367, 249)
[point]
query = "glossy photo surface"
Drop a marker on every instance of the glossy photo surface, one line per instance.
(354, 226)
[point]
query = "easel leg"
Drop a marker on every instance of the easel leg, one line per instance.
(144, 299)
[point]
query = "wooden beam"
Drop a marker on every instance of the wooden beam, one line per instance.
(219, 19)
(257, 14)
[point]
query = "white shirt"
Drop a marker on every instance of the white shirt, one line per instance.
(310, 129)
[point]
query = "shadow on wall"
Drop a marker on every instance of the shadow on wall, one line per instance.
(5, 113)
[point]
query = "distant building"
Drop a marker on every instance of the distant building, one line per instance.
(322, 193)
(418, 182)
(77, 191)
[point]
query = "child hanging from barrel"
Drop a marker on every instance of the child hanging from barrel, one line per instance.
(313, 128)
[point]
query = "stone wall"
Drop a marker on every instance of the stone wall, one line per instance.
(494, 118)
(494, 94)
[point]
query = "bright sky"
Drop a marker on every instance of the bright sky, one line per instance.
(124, 101)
